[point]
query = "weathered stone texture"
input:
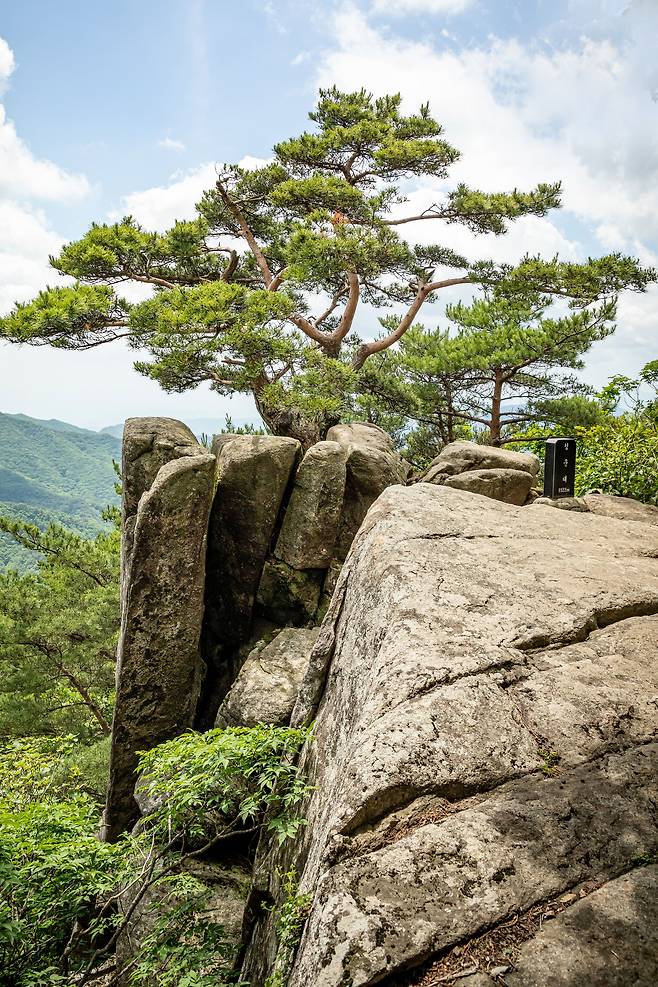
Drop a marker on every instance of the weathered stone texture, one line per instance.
(471, 651)
(267, 684)
(227, 883)
(605, 505)
(461, 457)
(148, 443)
(372, 465)
(608, 939)
(507, 485)
(253, 474)
(310, 526)
(158, 655)
(287, 595)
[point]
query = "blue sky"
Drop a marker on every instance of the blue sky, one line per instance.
(122, 107)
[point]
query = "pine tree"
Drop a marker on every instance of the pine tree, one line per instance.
(58, 631)
(503, 366)
(270, 290)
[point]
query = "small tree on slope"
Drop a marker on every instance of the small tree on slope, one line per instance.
(504, 358)
(266, 291)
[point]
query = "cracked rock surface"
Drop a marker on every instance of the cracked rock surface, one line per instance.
(486, 703)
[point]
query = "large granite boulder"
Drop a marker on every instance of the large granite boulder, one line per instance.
(461, 457)
(289, 596)
(253, 473)
(485, 701)
(158, 655)
(607, 939)
(267, 684)
(372, 465)
(508, 486)
(310, 526)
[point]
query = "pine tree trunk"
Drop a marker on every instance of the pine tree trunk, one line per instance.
(295, 424)
(496, 400)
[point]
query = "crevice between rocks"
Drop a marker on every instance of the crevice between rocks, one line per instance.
(482, 952)
(457, 798)
(600, 619)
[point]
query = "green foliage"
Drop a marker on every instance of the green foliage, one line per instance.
(290, 917)
(58, 883)
(263, 292)
(58, 630)
(504, 365)
(620, 456)
(216, 781)
(617, 433)
(184, 948)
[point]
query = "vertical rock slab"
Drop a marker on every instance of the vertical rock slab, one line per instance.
(372, 465)
(149, 443)
(253, 473)
(310, 527)
(159, 660)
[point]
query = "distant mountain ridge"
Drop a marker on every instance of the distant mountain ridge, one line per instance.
(53, 471)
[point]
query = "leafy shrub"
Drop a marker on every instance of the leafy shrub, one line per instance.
(59, 885)
(620, 456)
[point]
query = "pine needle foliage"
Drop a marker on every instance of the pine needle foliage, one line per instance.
(280, 285)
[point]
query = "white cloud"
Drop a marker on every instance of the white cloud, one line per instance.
(171, 145)
(399, 8)
(21, 173)
(7, 62)
(26, 237)
(26, 241)
(159, 207)
(520, 115)
(24, 175)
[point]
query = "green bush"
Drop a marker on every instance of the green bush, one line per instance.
(59, 884)
(620, 456)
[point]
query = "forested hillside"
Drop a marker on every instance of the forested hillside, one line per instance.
(53, 471)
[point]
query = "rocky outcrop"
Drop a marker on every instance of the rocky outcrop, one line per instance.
(253, 474)
(508, 486)
(310, 526)
(500, 474)
(158, 656)
(267, 684)
(606, 938)
(148, 444)
(372, 465)
(622, 508)
(222, 886)
(461, 457)
(484, 688)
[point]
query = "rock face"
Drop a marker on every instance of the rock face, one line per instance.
(605, 505)
(253, 475)
(267, 684)
(461, 457)
(148, 443)
(227, 886)
(372, 465)
(310, 526)
(485, 693)
(158, 656)
(508, 486)
(606, 939)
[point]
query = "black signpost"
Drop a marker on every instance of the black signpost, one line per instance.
(560, 468)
